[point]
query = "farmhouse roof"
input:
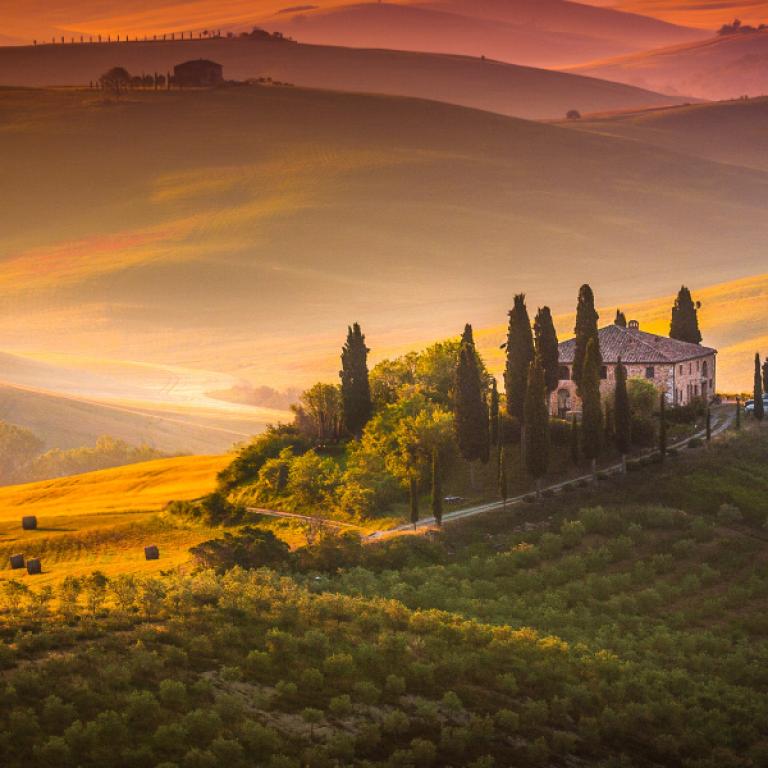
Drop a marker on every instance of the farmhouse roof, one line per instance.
(636, 346)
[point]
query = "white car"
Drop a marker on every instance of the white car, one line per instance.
(749, 406)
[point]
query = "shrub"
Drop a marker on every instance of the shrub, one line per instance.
(729, 514)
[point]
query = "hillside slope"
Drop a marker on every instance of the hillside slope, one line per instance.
(548, 33)
(728, 132)
(718, 68)
(494, 86)
(250, 226)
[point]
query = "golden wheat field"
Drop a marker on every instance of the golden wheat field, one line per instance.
(103, 520)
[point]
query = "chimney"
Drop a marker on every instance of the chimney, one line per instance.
(633, 325)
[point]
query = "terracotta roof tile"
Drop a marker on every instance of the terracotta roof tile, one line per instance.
(634, 346)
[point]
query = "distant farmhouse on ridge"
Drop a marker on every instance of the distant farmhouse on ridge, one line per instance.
(199, 73)
(683, 370)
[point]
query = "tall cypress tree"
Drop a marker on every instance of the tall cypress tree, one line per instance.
(759, 407)
(585, 330)
(622, 416)
(765, 375)
(547, 347)
(685, 320)
(503, 484)
(621, 319)
(437, 489)
(470, 406)
(592, 412)
(355, 387)
(519, 356)
(575, 452)
(493, 415)
(663, 426)
(536, 423)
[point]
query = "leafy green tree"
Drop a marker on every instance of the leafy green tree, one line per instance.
(621, 319)
(493, 416)
(355, 386)
(592, 412)
(759, 412)
(312, 479)
(470, 406)
(320, 413)
(18, 447)
(622, 415)
(546, 344)
(685, 321)
(116, 80)
(586, 331)
(536, 423)
(520, 352)
(437, 490)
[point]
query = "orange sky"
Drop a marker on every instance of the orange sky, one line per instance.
(23, 21)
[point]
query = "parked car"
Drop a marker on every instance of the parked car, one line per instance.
(749, 406)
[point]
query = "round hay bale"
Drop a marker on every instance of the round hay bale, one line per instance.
(17, 561)
(151, 553)
(34, 566)
(29, 523)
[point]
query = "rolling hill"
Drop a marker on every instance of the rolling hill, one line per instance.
(241, 230)
(472, 82)
(726, 132)
(540, 33)
(718, 68)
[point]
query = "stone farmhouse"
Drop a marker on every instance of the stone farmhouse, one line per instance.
(682, 370)
(199, 73)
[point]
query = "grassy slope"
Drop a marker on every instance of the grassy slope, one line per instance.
(104, 519)
(727, 132)
(718, 68)
(165, 244)
(491, 85)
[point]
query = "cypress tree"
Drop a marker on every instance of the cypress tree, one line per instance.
(621, 319)
(503, 484)
(437, 491)
(547, 347)
(355, 387)
(585, 330)
(494, 413)
(592, 412)
(622, 416)
(519, 356)
(738, 414)
(609, 426)
(709, 424)
(765, 375)
(663, 426)
(575, 454)
(685, 321)
(536, 423)
(414, 500)
(470, 406)
(759, 407)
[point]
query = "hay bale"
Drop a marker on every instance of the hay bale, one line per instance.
(151, 553)
(17, 561)
(29, 523)
(34, 566)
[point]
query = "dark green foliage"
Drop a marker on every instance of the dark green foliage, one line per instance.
(213, 509)
(355, 387)
(622, 416)
(759, 412)
(437, 489)
(18, 447)
(503, 484)
(493, 415)
(413, 498)
(575, 441)
(685, 321)
(520, 352)
(585, 331)
(249, 548)
(546, 345)
(621, 319)
(470, 406)
(662, 426)
(738, 414)
(250, 459)
(536, 422)
(592, 412)
(709, 425)
(765, 375)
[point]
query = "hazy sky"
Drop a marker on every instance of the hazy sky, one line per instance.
(40, 18)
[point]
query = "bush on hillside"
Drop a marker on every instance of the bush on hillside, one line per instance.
(249, 548)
